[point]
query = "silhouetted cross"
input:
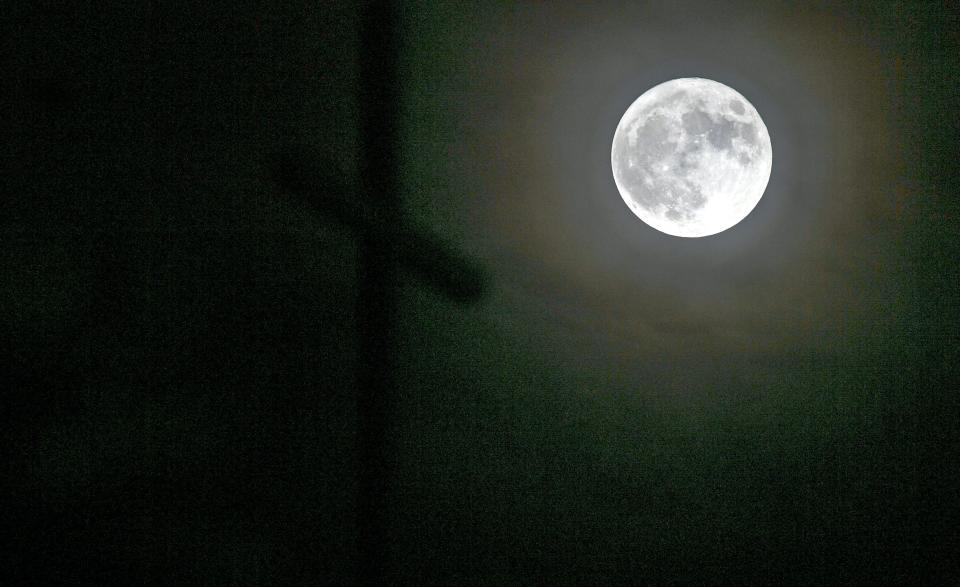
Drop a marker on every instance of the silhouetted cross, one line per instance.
(387, 242)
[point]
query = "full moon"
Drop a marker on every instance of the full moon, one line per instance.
(691, 157)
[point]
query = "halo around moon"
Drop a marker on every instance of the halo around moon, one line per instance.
(691, 157)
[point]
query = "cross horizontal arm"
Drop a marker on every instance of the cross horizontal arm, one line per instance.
(419, 251)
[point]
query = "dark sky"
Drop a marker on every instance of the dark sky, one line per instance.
(773, 403)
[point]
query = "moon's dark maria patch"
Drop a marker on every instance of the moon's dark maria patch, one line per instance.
(720, 132)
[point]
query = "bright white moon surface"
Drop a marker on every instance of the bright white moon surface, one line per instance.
(691, 157)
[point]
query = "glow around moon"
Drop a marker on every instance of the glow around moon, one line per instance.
(691, 157)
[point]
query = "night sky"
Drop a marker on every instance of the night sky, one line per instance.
(183, 341)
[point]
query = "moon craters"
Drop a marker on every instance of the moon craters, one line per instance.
(685, 150)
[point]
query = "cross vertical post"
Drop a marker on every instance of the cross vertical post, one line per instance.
(386, 241)
(377, 280)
